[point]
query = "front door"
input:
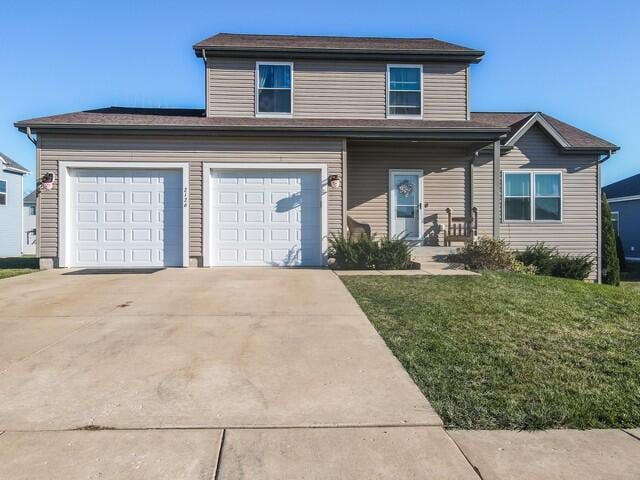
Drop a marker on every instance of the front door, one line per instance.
(405, 206)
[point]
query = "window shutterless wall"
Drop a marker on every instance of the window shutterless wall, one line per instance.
(336, 89)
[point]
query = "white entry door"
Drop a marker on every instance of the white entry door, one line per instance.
(125, 218)
(266, 218)
(405, 205)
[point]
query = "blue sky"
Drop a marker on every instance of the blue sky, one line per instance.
(574, 60)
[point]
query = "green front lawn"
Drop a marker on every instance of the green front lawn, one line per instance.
(12, 266)
(512, 351)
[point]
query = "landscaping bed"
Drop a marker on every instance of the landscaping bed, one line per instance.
(513, 351)
(13, 266)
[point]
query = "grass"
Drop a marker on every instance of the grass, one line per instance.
(509, 351)
(13, 266)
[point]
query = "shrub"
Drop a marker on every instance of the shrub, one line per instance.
(540, 256)
(548, 261)
(566, 266)
(490, 254)
(366, 253)
(394, 254)
(610, 264)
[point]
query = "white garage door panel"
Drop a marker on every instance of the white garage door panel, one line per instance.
(127, 218)
(266, 218)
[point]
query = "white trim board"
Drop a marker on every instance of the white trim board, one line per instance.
(207, 167)
(64, 205)
(537, 118)
(624, 199)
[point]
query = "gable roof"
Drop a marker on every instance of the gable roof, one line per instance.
(31, 198)
(567, 136)
(628, 187)
(331, 45)
(12, 165)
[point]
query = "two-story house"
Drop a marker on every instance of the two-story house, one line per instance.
(298, 134)
(11, 192)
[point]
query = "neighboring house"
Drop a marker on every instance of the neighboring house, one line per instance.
(299, 133)
(624, 200)
(29, 210)
(11, 193)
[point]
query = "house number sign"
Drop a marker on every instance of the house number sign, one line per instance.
(185, 197)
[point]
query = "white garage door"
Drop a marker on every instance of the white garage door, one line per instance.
(266, 218)
(125, 218)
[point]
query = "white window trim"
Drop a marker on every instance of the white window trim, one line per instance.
(5, 193)
(257, 91)
(392, 203)
(532, 186)
(617, 215)
(413, 65)
(64, 200)
(208, 243)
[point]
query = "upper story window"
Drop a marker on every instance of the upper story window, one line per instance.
(274, 82)
(3, 192)
(32, 209)
(533, 196)
(404, 91)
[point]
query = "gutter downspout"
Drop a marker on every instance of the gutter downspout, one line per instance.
(598, 180)
(31, 137)
(206, 84)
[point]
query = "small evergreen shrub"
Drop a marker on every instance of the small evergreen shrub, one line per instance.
(394, 254)
(548, 261)
(366, 253)
(567, 266)
(610, 264)
(620, 251)
(540, 256)
(490, 254)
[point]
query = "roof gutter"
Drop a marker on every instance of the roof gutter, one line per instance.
(351, 132)
(471, 56)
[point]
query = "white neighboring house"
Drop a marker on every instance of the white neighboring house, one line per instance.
(11, 194)
(29, 224)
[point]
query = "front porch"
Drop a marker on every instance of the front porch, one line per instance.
(422, 191)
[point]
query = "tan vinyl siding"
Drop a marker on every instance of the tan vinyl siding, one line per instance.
(336, 89)
(578, 232)
(231, 87)
(445, 91)
(483, 192)
(195, 151)
(446, 177)
(339, 90)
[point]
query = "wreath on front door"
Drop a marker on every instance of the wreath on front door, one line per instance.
(405, 188)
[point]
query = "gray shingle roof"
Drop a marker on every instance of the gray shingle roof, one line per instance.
(31, 198)
(575, 137)
(623, 188)
(114, 117)
(311, 42)
(12, 164)
(196, 118)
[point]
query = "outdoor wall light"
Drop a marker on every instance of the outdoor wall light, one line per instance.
(335, 181)
(46, 182)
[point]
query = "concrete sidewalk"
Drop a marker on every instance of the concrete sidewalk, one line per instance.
(552, 454)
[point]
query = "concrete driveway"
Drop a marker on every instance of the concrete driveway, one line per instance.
(205, 373)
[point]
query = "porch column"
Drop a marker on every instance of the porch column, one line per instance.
(344, 186)
(497, 201)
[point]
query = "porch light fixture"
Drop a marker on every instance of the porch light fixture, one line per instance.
(46, 182)
(335, 181)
